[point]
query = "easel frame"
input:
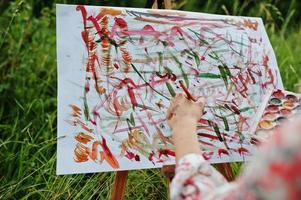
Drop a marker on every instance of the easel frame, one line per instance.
(119, 186)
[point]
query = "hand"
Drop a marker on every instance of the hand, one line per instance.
(182, 109)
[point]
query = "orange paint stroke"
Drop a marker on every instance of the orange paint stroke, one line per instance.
(76, 111)
(81, 153)
(106, 154)
(84, 126)
(83, 138)
(108, 11)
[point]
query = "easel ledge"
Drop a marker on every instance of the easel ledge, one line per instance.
(168, 171)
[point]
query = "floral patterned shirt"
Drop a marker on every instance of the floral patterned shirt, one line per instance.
(275, 172)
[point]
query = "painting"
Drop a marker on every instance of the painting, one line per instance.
(118, 68)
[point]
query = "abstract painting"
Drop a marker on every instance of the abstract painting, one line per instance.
(118, 68)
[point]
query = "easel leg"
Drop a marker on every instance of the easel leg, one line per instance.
(119, 185)
(226, 170)
(168, 171)
(167, 4)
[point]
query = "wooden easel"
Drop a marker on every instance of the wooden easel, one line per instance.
(168, 171)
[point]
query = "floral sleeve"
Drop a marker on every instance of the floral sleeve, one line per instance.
(275, 172)
(195, 178)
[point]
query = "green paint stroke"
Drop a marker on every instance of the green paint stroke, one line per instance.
(170, 89)
(216, 130)
(225, 122)
(140, 75)
(132, 120)
(194, 55)
(184, 75)
(210, 75)
(241, 136)
(224, 74)
(199, 37)
(86, 107)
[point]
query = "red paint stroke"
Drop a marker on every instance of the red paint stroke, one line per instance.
(137, 157)
(151, 156)
(203, 121)
(166, 152)
(107, 154)
(83, 125)
(194, 71)
(147, 30)
(188, 95)
(84, 14)
(251, 75)
(132, 97)
(242, 151)
(206, 143)
(235, 109)
(208, 155)
(233, 101)
(125, 82)
(170, 76)
(96, 26)
(95, 116)
(129, 155)
(91, 63)
(120, 22)
(116, 66)
(244, 85)
(255, 141)
(208, 136)
(178, 30)
(271, 81)
(87, 86)
(116, 104)
(222, 151)
(265, 61)
(153, 83)
(85, 37)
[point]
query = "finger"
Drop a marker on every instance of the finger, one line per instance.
(201, 103)
(201, 100)
(181, 98)
(172, 107)
(169, 116)
(171, 112)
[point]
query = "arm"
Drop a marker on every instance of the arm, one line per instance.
(185, 143)
(273, 174)
(183, 116)
(195, 177)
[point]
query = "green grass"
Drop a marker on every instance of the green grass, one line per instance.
(28, 91)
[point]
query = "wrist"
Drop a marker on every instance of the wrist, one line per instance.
(185, 122)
